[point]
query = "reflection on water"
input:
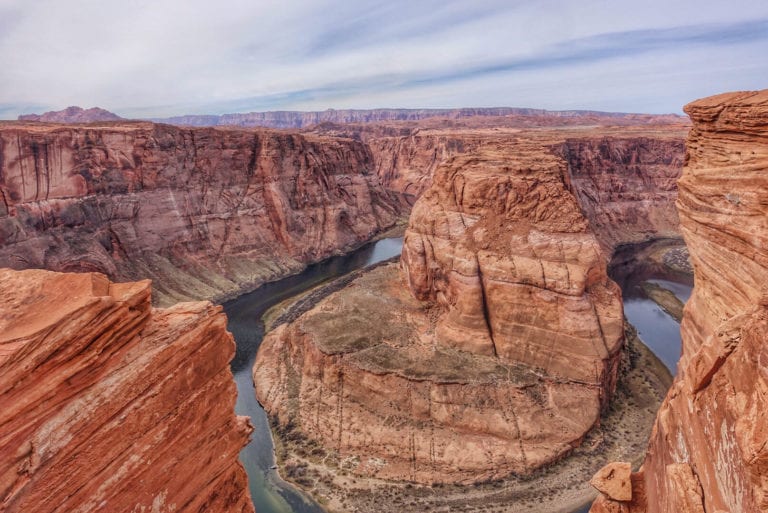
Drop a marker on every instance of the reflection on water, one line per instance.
(656, 328)
(270, 493)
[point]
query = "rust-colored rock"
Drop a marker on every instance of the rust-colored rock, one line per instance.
(627, 186)
(614, 481)
(493, 353)
(708, 450)
(205, 213)
(502, 247)
(109, 405)
(364, 373)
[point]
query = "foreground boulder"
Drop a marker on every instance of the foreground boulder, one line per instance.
(709, 450)
(107, 404)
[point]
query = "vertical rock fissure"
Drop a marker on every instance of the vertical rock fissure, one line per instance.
(486, 310)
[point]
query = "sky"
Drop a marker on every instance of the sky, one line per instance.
(154, 58)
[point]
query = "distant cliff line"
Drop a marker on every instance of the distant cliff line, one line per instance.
(300, 119)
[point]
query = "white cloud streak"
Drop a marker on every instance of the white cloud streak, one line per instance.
(168, 57)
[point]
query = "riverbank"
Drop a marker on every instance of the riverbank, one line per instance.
(270, 272)
(562, 487)
(665, 298)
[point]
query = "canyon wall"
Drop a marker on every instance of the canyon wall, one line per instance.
(493, 351)
(708, 450)
(204, 213)
(627, 186)
(107, 404)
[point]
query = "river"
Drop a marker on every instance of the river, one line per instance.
(273, 495)
(270, 493)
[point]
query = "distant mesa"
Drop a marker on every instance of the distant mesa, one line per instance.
(73, 115)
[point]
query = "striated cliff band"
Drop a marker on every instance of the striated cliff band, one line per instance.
(496, 346)
(520, 116)
(708, 450)
(204, 213)
(107, 404)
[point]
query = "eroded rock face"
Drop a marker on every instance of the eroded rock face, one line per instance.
(492, 353)
(627, 186)
(205, 213)
(502, 247)
(708, 450)
(365, 374)
(109, 405)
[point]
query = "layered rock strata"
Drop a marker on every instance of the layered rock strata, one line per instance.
(299, 119)
(626, 186)
(624, 178)
(503, 249)
(107, 404)
(708, 450)
(492, 353)
(205, 213)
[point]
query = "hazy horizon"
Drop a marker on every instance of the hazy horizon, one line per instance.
(142, 59)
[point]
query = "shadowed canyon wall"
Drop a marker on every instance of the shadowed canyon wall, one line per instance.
(107, 404)
(708, 450)
(205, 213)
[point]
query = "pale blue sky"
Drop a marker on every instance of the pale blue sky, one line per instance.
(170, 57)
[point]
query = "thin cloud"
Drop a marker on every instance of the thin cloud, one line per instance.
(170, 57)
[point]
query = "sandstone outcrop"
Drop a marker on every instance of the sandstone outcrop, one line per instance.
(502, 247)
(73, 115)
(493, 352)
(107, 404)
(205, 213)
(708, 450)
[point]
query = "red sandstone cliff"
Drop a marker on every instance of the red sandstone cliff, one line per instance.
(624, 178)
(626, 186)
(708, 452)
(500, 357)
(501, 245)
(205, 213)
(107, 404)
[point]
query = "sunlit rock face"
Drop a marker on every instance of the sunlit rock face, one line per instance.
(708, 450)
(107, 404)
(492, 349)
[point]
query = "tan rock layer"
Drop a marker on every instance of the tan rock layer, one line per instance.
(501, 245)
(537, 117)
(202, 212)
(109, 405)
(363, 374)
(708, 450)
(498, 356)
